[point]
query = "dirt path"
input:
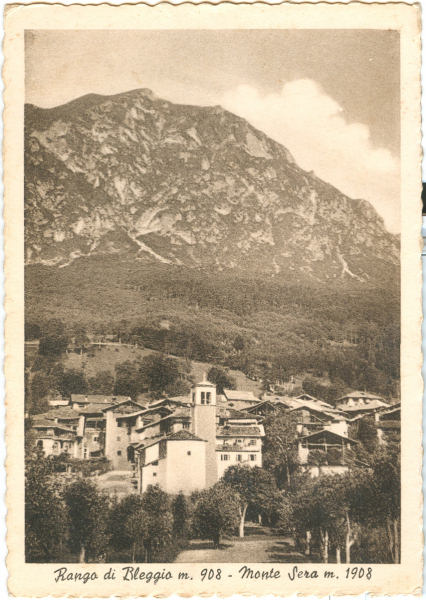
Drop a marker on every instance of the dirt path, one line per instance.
(260, 547)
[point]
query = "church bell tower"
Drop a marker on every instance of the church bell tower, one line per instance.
(203, 413)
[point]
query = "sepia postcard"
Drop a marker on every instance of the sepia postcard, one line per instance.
(213, 299)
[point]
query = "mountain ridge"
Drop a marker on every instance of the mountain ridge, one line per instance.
(138, 176)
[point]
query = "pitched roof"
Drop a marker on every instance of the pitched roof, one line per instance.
(65, 437)
(181, 435)
(268, 402)
(47, 424)
(65, 412)
(330, 433)
(41, 423)
(180, 413)
(92, 409)
(126, 401)
(240, 395)
(299, 403)
(150, 441)
(396, 408)
(184, 434)
(329, 413)
(233, 413)
(178, 400)
(358, 394)
(315, 401)
(388, 424)
(97, 398)
(364, 406)
(307, 397)
(240, 431)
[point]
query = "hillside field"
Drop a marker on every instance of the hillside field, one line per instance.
(105, 359)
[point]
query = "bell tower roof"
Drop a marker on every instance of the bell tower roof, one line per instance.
(205, 382)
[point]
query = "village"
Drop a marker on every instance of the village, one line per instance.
(185, 444)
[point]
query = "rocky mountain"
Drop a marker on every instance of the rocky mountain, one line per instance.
(141, 178)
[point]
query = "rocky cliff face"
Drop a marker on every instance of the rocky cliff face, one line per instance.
(141, 177)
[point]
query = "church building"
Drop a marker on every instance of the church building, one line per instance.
(189, 448)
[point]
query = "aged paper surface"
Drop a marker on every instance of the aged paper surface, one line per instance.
(207, 394)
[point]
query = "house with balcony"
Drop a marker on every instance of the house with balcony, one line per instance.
(239, 443)
(55, 439)
(359, 403)
(325, 452)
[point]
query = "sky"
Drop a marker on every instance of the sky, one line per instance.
(330, 96)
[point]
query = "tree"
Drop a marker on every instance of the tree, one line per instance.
(161, 373)
(387, 496)
(255, 488)
(128, 379)
(128, 527)
(32, 331)
(279, 447)
(221, 378)
(155, 373)
(41, 385)
(88, 516)
(181, 517)
(239, 343)
(313, 511)
(53, 339)
(267, 379)
(367, 433)
(45, 524)
(101, 383)
(80, 337)
(73, 381)
(136, 528)
(216, 513)
(159, 523)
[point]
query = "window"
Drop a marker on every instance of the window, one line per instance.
(185, 425)
(252, 457)
(40, 444)
(224, 457)
(154, 474)
(208, 396)
(118, 452)
(252, 443)
(239, 457)
(118, 438)
(193, 397)
(189, 453)
(203, 397)
(95, 438)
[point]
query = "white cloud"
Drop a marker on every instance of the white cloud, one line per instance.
(312, 126)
